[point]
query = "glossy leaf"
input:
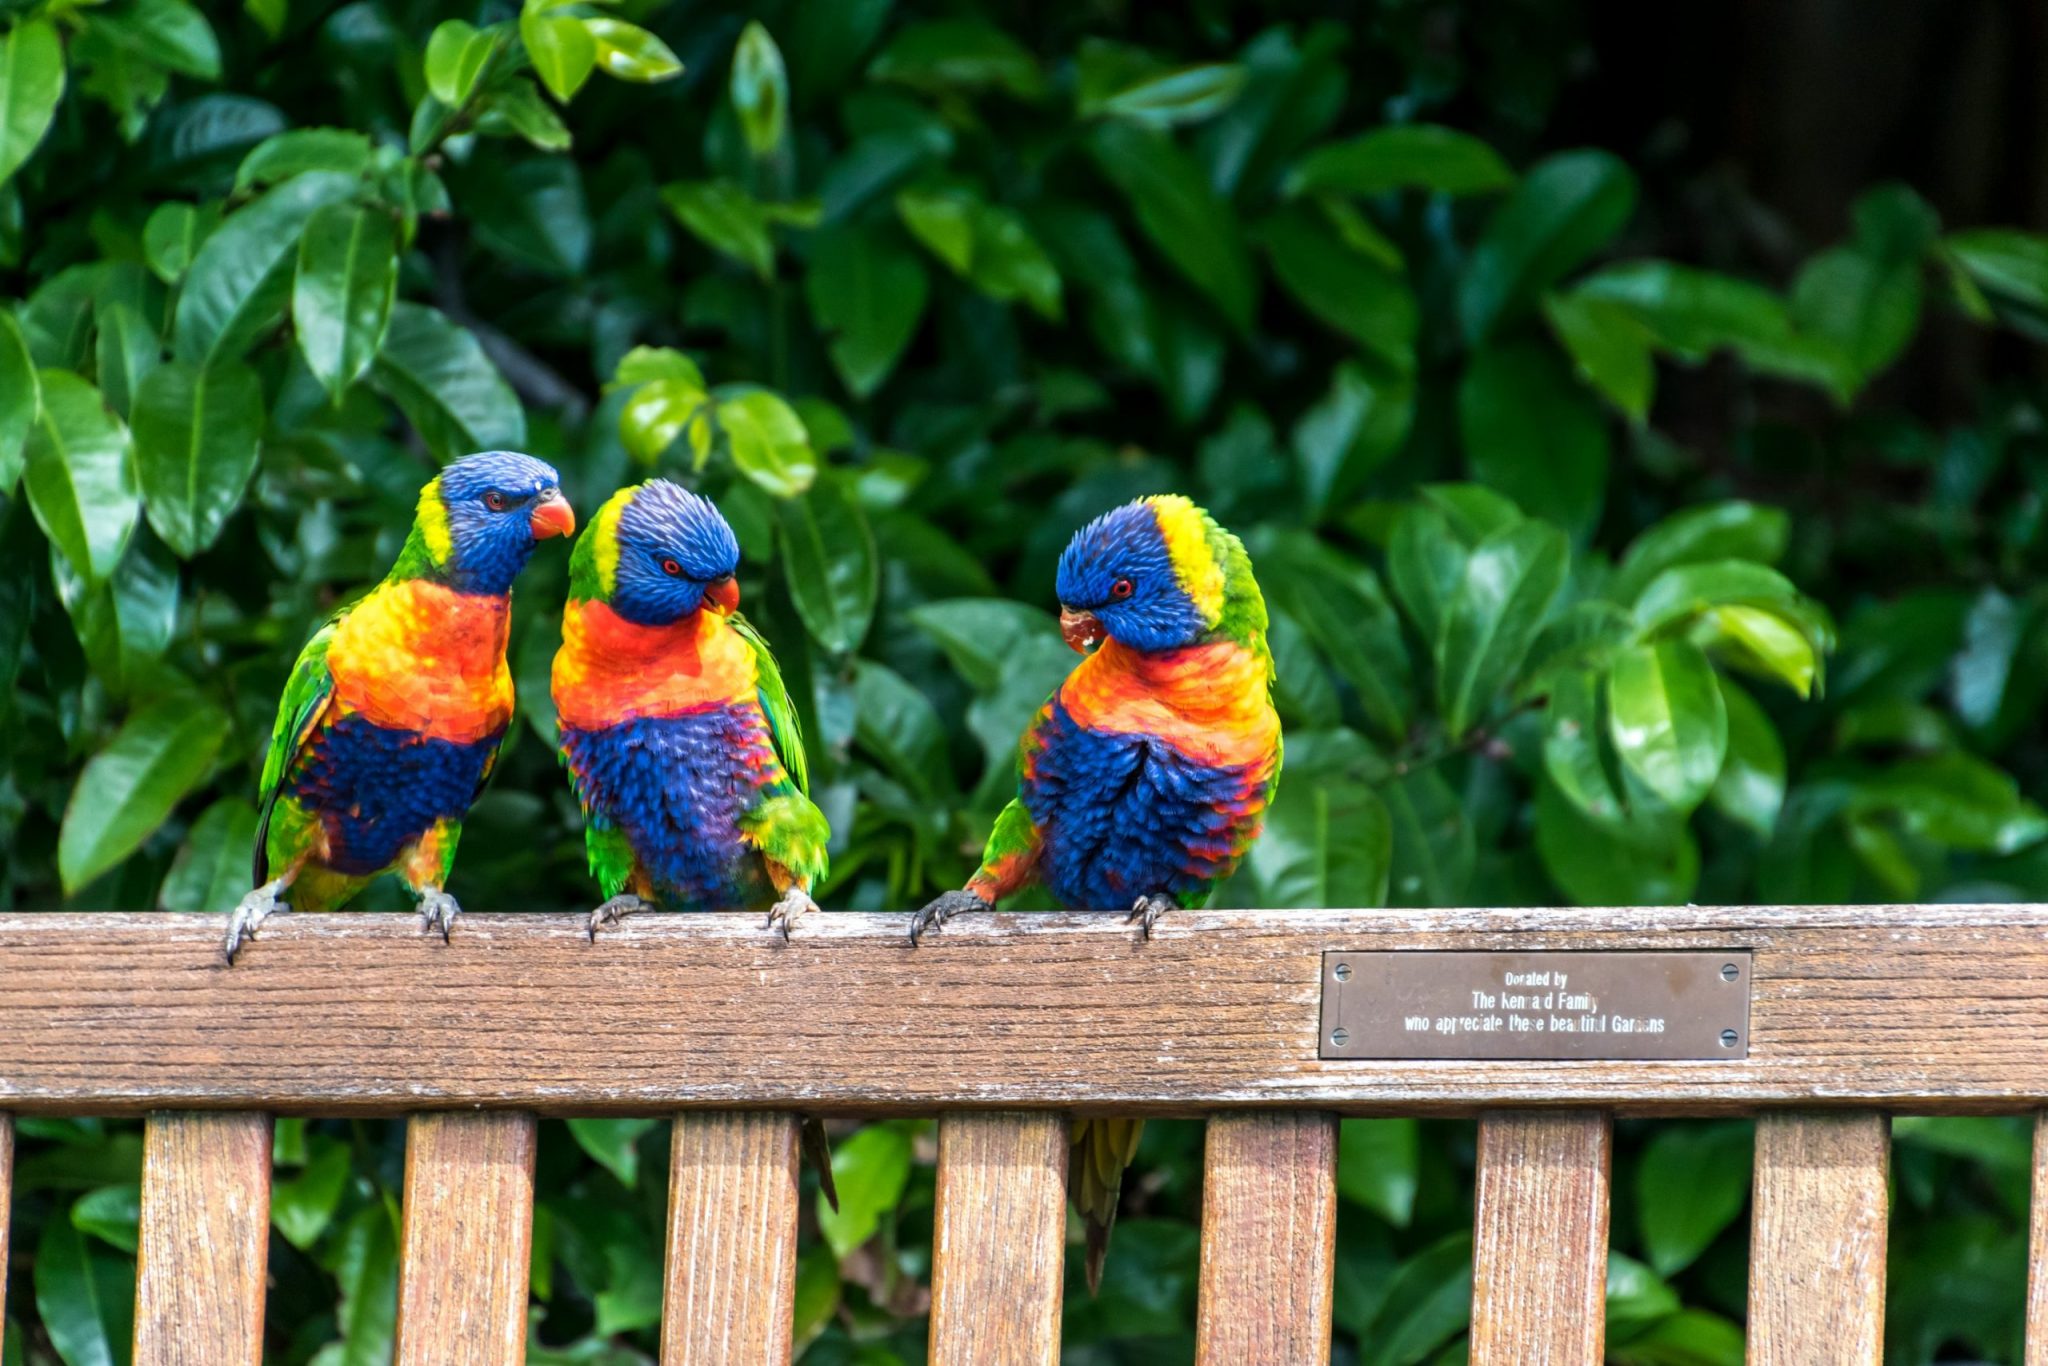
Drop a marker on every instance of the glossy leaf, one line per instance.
(560, 47)
(80, 476)
(1714, 531)
(441, 379)
(1179, 211)
(1165, 99)
(630, 53)
(1492, 616)
(172, 236)
(31, 84)
(613, 1144)
(1957, 800)
(1344, 287)
(1667, 719)
(196, 434)
(1532, 435)
(342, 293)
(340, 150)
(71, 1299)
(20, 400)
(727, 218)
(1566, 208)
(1574, 755)
(2009, 263)
(768, 442)
(125, 351)
(1379, 1167)
(1691, 1185)
(211, 871)
(867, 292)
(1328, 840)
(129, 788)
(830, 565)
(112, 1214)
(1422, 156)
(1650, 859)
(240, 283)
(958, 54)
(760, 89)
(1610, 349)
(1751, 787)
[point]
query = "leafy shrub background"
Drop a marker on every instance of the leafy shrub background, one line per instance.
(1569, 463)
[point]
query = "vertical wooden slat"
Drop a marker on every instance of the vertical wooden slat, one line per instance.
(6, 1200)
(999, 1242)
(468, 1239)
(732, 1214)
(1269, 1236)
(1817, 1240)
(2037, 1255)
(204, 1247)
(1539, 1250)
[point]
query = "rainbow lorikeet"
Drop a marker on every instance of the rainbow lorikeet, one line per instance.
(678, 734)
(394, 712)
(1145, 778)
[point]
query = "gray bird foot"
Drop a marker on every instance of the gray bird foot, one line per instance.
(1146, 910)
(615, 910)
(941, 909)
(251, 911)
(437, 912)
(795, 902)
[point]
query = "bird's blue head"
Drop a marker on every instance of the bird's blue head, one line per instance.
(1146, 574)
(656, 553)
(481, 517)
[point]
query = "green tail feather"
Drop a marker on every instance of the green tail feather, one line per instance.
(1102, 1149)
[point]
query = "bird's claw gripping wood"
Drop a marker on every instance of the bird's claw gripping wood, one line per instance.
(941, 909)
(251, 911)
(437, 912)
(1146, 910)
(615, 910)
(795, 902)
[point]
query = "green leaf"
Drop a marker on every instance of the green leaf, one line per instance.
(726, 218)
(80, 476)
(1328, 840)
(943, 55)
(2006, 261)
(830, 564)
(1429, 1302)
(211, 870)
(1421, 156)
(1751, 788)
(613, 1144)
(1165, 99)
(1691, 1337)
(1636, 1297)
(1667, 719)
(241, 281)
(1956, 800)
(1425, 564)
(302, 1208)
(1867, 305)
(561, 49)
(1174, 204)
(1715, 531)
(112, 1214)
(31, 84)
(20, 400)
(440, 378)
(985, 243)
(867, 293)
(1379, 1166)
(70, 1301)
(522, 110)
(342, 294)
(1567, 207)
(1340, 604)
(169, 34)
(1648, 859)
(196, 434)
(760, 89)
(1610, 349)
(628, 52)
(341, 150)
(1435, 847)
(1684, 591)
(871, 1168)
(897, 725)
(1490, 619)
(172, 236)
(1535, 436)
(1353, 430)
(669, 400)
(1572, 753)
(1346, 288)
(129, 788)
(1692, 1182)
(125, 351)
(768, 442)
(984, 637)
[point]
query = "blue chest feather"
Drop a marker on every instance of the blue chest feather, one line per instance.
(677, 786)
(378, 790)
(1124, 816)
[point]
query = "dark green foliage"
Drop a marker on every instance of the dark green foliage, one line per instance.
(1602, 570)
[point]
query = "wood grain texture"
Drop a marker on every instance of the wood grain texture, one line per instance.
(1269, 1237)
(1817, 1240)
(730, 1292)
(468, 1238)
(1539, 1239)
(204, 1252)
(2037, 1254)
(999, 1239)
(6, 1199)
(1932, 1008)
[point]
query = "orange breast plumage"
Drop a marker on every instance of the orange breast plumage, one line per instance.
(418, 656)
(610, 670)
(1211, 702)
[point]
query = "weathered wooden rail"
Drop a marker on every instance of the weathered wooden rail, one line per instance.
(1004, 1028)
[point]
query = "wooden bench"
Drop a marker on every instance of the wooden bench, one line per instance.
(1003, 1028)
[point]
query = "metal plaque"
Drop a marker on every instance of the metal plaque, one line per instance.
(1610, 1005)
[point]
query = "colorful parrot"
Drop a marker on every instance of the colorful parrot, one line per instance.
(396, 707)
(1145, 778)
(678, 734)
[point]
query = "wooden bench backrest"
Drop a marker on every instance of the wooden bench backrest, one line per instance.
(1857, 1012)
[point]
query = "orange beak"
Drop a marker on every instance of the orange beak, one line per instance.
(551, 516)
(724, 594)
(1082, 629)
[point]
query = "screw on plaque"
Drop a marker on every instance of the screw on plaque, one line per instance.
(1340, 1037)
(1729, 972)
(1342, 972)
(1729, 1038)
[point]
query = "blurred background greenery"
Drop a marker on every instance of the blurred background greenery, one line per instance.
(1637, 423)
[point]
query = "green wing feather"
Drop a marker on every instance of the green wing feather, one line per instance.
(305, 697)
(784, 732)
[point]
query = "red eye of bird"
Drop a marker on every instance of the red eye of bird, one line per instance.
(672, 569)
(1120, 589)
(496, 501)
